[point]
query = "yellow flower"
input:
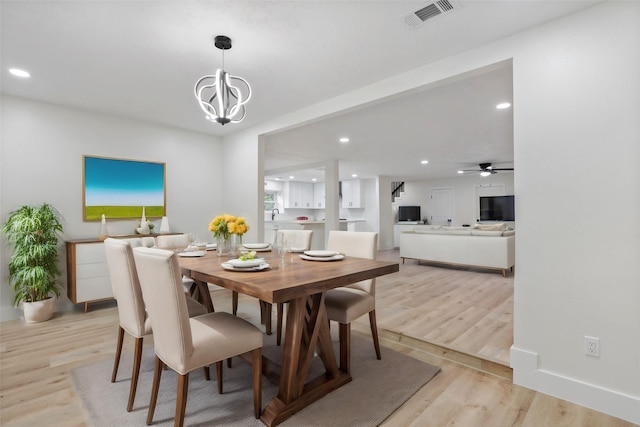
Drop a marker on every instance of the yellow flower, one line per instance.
(225, 225)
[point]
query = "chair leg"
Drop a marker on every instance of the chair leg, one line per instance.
(181, 400)
(257, 382)
(137, 358)
(234, 302)
(157, 373)
(219, 375)
(116, 361)
(207, 374)
(279, 316)
(344, 333)
(374, 333)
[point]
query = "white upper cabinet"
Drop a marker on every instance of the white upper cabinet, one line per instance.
(351, 194)
(318, 195)
(298, 195)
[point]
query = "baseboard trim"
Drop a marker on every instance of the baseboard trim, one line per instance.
(472, 361)
(527, 373)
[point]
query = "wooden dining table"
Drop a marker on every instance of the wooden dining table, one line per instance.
(303, 285)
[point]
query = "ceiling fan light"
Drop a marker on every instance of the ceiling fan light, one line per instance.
(485, 173)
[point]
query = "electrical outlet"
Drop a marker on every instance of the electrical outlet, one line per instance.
(592, 346)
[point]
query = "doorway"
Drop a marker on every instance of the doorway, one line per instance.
(441, 206)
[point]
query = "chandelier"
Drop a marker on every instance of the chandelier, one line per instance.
(220, 100)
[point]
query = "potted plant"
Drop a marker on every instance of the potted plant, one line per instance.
(33, 232)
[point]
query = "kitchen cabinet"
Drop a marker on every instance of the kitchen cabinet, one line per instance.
(298, 195)
(318, 195)
(352, 194)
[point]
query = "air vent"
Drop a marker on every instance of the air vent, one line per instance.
(416, 18)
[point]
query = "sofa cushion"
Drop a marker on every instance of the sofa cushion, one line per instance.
(429, 229)
(486, 233)
(509, 232)
(463, 231)
(500, 226)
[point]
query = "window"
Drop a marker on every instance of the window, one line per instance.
(270, 200)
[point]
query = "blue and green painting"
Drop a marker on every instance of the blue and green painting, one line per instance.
(120, 188)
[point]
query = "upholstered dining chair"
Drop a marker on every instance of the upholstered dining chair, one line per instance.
(346, 304)
(185, 344)
(296, 240)
(131, 309)
(173, 241)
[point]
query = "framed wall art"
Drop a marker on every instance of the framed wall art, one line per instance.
(120, 188)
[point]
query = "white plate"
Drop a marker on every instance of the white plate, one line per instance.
(212, 246)
(238, 263)
(256, 245)
(336, 257)
(297, 250)
(323, 254)
(267, 249)
(192, 253)
(262, 266)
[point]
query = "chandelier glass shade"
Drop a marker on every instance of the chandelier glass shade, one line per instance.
(222, 96)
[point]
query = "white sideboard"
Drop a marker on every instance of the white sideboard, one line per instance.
(399, 228)
(87, 271)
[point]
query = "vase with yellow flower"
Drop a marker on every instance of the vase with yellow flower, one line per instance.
(228, 231)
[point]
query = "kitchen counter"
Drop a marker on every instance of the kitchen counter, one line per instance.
(308, 221)
(318, 239)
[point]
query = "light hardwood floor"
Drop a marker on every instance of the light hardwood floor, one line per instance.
(464, 313)
(465, 310)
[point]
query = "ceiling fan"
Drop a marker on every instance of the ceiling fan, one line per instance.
(486, 169)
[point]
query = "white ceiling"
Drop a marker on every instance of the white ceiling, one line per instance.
(140, 59)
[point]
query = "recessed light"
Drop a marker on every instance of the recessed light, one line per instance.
(314, 179)
(424, 162)
(344, 139)
(354, 175)
(19, 73)
(460, 171)
(503, 105)
(291, 177)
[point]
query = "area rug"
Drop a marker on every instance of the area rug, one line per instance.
(378, 388)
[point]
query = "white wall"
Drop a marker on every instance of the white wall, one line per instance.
(465, 209)
(576, 149)
(385, 236)
(42, 148)
(243, 189)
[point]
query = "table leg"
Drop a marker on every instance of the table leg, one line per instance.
(306, 332)
(204, 296)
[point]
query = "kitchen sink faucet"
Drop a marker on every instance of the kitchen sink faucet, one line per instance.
(273, 213)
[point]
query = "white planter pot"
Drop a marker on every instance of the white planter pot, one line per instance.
(38, 311)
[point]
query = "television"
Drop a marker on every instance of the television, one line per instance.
(497, 208)
(408, 213)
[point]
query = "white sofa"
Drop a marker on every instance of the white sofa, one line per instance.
(484, 246)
